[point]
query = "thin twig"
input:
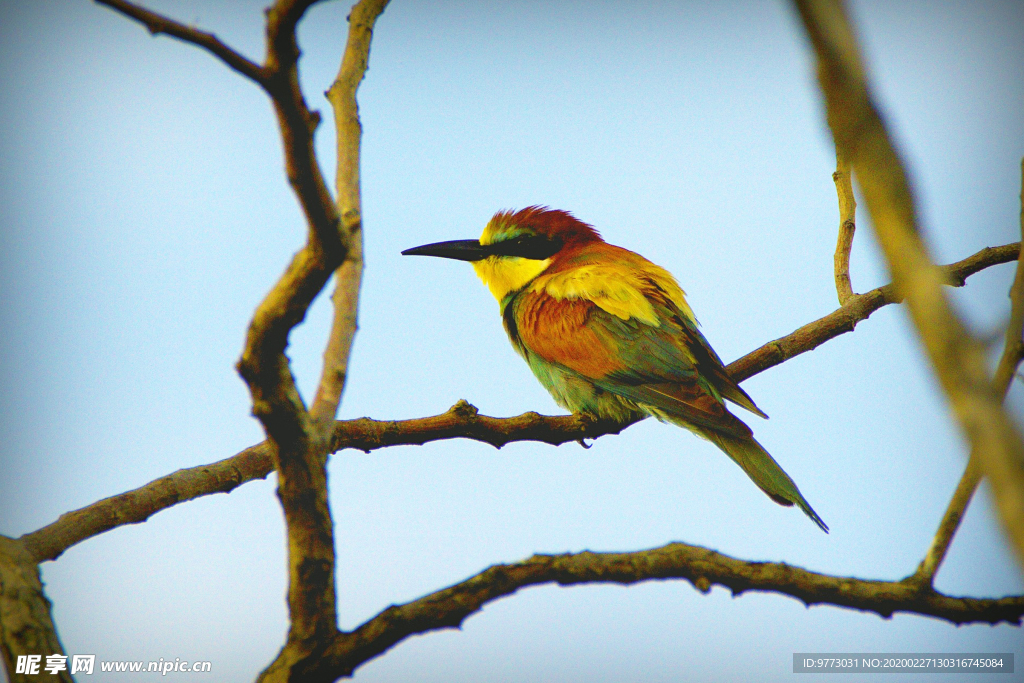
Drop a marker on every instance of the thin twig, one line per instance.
(843, 179)
(950, 524)
(958, 359)
(1013, 353)
(348, 277)
(157, 24)
(461, 421)
(858, 308)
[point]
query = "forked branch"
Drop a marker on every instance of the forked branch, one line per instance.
(702, 567)
(298, 439)
(1013, 354)
(334, 246)
(461, 421)
(957, 357)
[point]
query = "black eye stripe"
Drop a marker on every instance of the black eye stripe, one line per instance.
(537, 247)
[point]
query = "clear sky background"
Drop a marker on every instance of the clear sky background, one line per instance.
(144, 213)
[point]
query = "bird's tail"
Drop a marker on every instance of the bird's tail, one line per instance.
(765, 472)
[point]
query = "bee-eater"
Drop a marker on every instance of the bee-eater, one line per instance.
(610, 334)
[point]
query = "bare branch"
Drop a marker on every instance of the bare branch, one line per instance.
(299, 458)
(297, 124)
(26, 625)
(857, 308)
(958, 358)
(348, 278)
(1013, 348)
(847, 226)
(297, 447)
(461, 421)
(1013, 353)
(950, 524)
(342, 96)
(157, 24)
(297, 440)
(276, 401)
(702, 567)
(137, 505)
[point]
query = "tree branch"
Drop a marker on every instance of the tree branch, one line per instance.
(847, 226)
(461, 421)
(1013, 348)
(157, 24)
(137, 505)
(298, 123)
(348, 278)
(297, 438)
(299, 458)
(857, 308)
(26, 625)
(958, 358)
(700, 566)
(950, 523)
(1013, 353)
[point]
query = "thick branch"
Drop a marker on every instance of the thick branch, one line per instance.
(26, 626)
(958, 358)
(299, 458)
(263, 364)
(847, 227)
(461, 421)
(703, 567)
(297, 452)
(157, 24)
(336, 245)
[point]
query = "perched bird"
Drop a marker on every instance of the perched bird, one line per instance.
(610, 334)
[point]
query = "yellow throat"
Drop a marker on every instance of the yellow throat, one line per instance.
(504, 274)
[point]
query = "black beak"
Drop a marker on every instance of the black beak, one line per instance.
(463, 250)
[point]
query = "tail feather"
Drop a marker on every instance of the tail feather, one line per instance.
(761, 467)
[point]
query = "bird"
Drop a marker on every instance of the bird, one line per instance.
(610, 334)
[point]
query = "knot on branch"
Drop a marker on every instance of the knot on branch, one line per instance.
(464, 408)
(352, 220)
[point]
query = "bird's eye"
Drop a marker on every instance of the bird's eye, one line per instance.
(537, 247)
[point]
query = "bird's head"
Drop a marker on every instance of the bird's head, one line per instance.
(516, 247)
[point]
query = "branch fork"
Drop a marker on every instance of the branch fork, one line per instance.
(299, 440)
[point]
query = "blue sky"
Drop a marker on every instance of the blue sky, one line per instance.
(145, 213)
